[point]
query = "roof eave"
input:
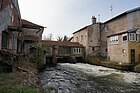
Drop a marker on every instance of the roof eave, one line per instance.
(124, 13)
(81, 29)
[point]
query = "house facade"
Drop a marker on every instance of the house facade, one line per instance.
(31, 34)
(90, 37)
(65, 48)
(123, 38)
(68, 51)
(81, 36)
(10, 23)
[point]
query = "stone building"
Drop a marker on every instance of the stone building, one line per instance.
(90, 37)
(30, 35)
(123, 39)
(63, 51)
(10, 23)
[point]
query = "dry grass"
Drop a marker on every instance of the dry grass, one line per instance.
(18, 81)
(11, 82)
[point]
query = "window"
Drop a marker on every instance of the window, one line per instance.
(73, 50)
(13, 41)
(132, 37)
(77, 39)
(114, 40)
(93, 48)
(106, 50)
(124, 37)
(12, 18)
(4, 39)
(64, 50)
(0, 4)
(77, 50)
(82, 38)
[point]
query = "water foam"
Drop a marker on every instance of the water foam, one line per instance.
(127, 77)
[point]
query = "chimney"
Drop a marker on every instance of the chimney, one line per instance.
(93, 20)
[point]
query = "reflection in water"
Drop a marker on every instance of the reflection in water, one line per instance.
(86, 78)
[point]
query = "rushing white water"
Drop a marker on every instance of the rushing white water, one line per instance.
(86, 78)
(128, 77)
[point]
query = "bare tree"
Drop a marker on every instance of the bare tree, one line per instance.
(49, 37)
(44, 37)
(59, 38)
(65, 38)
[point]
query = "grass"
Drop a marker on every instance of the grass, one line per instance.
(13, 83)
(25, 90)
(102, 61)
(18, 90)
(10, 82)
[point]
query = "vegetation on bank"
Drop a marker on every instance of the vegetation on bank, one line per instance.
(37, 55)
(14, 83)
(103, 61)
(137, 68)
(24, 77)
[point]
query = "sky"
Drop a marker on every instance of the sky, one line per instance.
(63, 17)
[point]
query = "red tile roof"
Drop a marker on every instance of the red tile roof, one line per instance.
(63, 43)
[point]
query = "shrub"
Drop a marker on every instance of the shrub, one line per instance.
(37, 55)
(25, 90)
(11, 83)
(100, 58)
(137, 68)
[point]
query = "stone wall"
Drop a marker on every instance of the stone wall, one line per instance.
(115, 50)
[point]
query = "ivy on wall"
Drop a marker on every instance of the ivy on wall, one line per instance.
(38, 54)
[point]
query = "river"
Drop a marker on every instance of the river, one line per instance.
(86, 78)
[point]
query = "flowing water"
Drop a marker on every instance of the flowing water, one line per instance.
(86, 78)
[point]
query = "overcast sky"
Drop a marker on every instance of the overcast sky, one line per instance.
(63, 17)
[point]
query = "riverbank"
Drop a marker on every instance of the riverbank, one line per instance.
(19, 82)
(101, 61)
(23, 79)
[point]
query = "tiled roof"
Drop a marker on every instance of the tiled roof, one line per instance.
(63, 43)
(29, 38)
(29, 24)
